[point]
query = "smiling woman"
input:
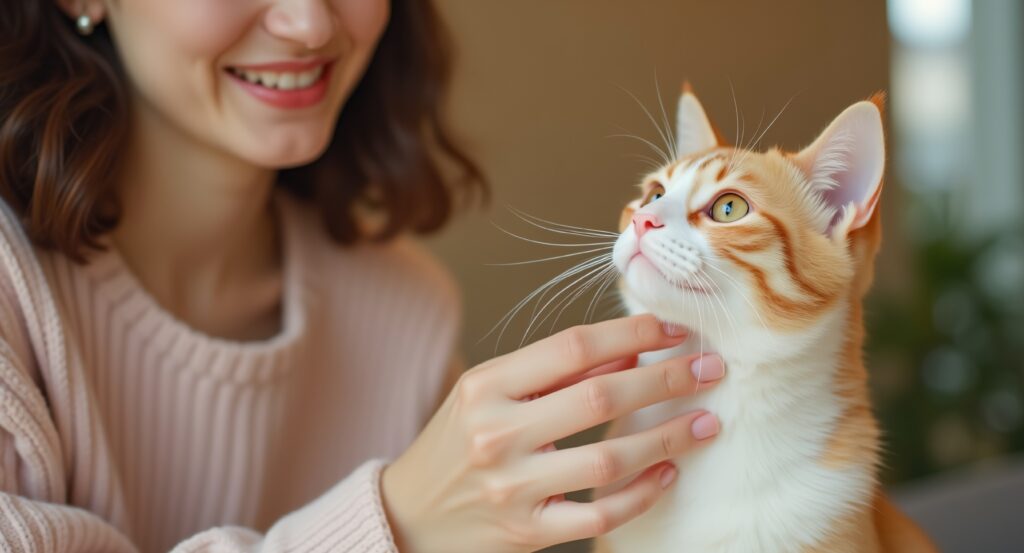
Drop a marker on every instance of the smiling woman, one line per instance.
(177, 179)
(180, 61)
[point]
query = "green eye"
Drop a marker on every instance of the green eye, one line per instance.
(729, 208)
(653, 194)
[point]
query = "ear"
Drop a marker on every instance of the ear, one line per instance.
(846, 162)
(694, 132)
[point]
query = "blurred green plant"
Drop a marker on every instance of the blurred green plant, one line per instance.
(947, 359)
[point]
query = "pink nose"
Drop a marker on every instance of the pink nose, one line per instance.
(643, 222)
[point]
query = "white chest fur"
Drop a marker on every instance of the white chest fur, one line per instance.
(760, 486)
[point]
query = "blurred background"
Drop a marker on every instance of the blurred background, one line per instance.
(547, 91)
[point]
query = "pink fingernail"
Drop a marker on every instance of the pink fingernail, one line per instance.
(673, 329)
(668, 474)
(704, 426)
(708, 368)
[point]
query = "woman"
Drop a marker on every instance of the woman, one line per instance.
(212, 336)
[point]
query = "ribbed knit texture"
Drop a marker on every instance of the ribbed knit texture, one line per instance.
(122, 429)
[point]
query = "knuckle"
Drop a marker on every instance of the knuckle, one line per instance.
(646, 330)
(524, 534)
(501, 491)
(598, 399)
(471, 387)
(670, 443)
(485, 447)
(643, 503)
(672, 379)
(600, 522)
(606, 467)
(577, 346)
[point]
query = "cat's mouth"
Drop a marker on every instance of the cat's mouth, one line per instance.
(639, 257)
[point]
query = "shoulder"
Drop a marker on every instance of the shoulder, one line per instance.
(24, 295)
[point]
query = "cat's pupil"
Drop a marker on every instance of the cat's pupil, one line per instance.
(728, 208)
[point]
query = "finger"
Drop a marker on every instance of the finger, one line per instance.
(576, 350)
(565, 521)
(604, 463)
(614, 366)
(606, 397)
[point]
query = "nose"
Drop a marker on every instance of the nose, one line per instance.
(643, 222)
(308, 22)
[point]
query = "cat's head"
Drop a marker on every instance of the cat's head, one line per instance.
(731, 240)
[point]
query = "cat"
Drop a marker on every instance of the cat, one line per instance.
(766, 256)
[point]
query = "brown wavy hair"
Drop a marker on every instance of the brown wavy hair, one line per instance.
(64, 109)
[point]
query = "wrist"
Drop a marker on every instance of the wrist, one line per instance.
(394, 509)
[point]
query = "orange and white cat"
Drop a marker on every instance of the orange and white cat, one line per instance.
(767, 256)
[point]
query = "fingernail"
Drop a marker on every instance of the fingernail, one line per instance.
(704, 426)
(708, 368)
(673, 330)
(668, 474)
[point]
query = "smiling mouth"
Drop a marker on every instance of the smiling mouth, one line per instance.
(280, 80)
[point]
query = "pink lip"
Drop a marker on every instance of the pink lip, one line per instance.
(289, 99)
(291, 65)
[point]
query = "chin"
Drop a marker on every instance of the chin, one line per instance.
(647, 289)
(288, 152)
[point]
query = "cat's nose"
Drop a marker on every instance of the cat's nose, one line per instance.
(643, 222)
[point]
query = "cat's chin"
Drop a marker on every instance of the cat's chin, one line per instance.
(647, 290)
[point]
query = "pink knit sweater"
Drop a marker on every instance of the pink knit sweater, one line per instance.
(122, 429)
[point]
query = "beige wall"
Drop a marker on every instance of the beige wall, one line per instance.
(537, 96)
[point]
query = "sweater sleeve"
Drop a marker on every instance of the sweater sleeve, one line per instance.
(34, 517)
(347, 518)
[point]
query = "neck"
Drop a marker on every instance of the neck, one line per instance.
(192, 217)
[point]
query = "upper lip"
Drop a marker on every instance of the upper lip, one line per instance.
(291, 65)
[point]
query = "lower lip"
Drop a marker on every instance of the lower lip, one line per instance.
(288, 99)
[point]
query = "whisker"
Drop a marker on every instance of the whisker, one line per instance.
(664, 117)
(556, 244)
(624, 134)
(534, 220)
(506, 319)
(739, 289)
(661, 132)
(706, 278)
(570, 299)
(542, 260)
(609, 280)
(594, 268)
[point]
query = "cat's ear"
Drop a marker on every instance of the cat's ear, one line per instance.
(694, 132)
(845, 163)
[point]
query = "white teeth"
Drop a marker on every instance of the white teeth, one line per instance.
(280, 80)
(286, 82)
(269, 78)
(305, 79)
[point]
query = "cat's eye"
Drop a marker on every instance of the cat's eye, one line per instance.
(728, 208)
(654, 193)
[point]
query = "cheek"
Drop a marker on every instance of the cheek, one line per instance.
(161, 31)
(363, 20)
(171, 50)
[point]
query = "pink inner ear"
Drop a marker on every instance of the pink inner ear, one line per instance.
(845, 163)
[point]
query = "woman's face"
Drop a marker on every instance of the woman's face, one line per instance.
(263, 80)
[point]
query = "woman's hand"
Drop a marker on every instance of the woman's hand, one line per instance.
(484, 475)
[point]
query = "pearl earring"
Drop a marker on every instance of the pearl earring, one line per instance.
(85, 25)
